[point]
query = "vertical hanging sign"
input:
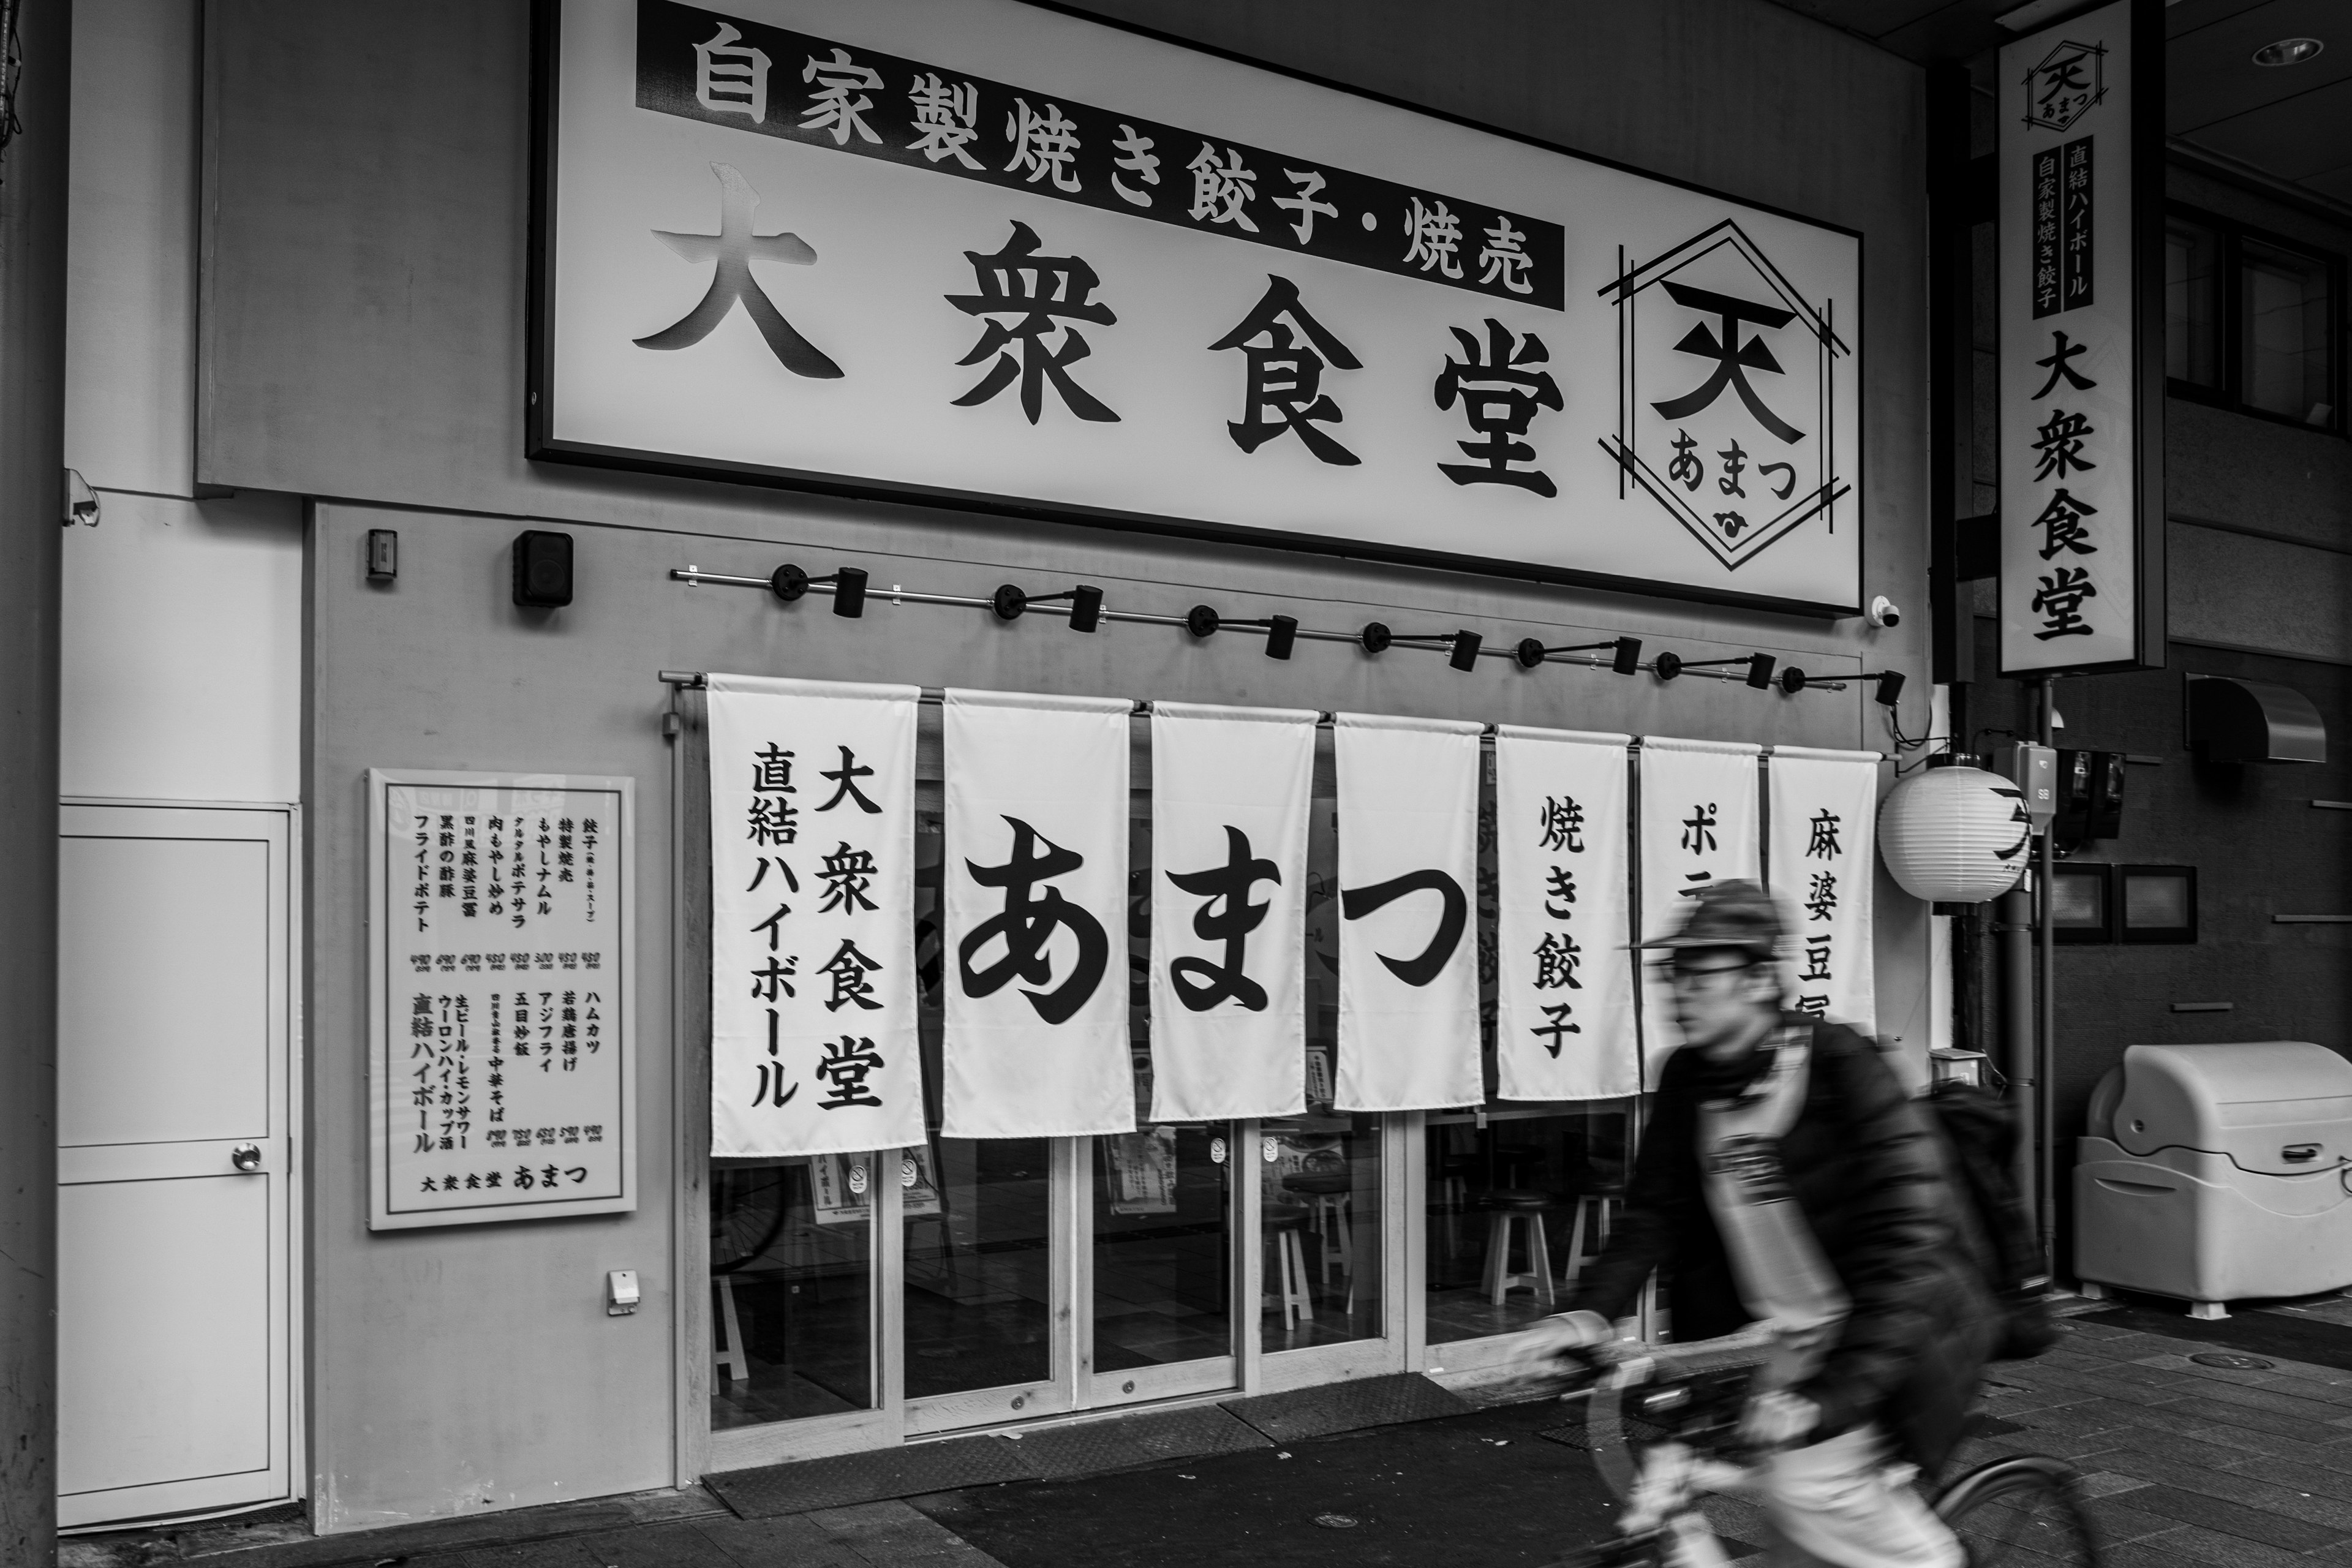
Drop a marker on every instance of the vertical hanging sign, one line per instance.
(813, 1036)
(1408, 963)
(1825, 808)
(1229, 794)
(1699, 800)
(503, 1081)
(1037, 1039)
(1565, 991)
(2082, 343)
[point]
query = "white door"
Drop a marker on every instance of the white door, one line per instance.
(174, 1363)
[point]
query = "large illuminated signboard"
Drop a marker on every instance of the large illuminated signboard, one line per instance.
(987, 255)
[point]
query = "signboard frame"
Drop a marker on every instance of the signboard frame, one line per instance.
(620, 850)
(1839, 599)
(2144, 528)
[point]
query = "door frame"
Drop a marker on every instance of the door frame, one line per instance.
(292, 1349)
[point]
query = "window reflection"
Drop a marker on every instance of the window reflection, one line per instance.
(1319, 1212)
(2285, 306)
(1516, 1210)
(792, 1246)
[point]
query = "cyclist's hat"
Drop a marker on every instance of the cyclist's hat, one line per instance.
(1730, 914)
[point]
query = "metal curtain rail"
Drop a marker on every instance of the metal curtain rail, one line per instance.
(1203, 622)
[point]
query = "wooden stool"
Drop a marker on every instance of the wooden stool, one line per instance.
(1453, 1175)
(1506, 1208)
(1282, 1224)
(734, 1362)
(1329, 1196)
(1596, 1203)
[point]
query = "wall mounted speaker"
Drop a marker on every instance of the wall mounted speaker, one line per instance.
(542, 569)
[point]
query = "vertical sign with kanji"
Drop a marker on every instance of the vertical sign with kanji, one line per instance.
(1564, 918)
(2082, 346)
(503, 1073)
(1824, 811)
(1036, 903)
(813, 1047)
(1408, 944)
(1699, 803)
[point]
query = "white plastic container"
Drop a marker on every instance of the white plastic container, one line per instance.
(2214, 1173)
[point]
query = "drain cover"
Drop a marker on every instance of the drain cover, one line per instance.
(1336, 1520)
(2234, 1363)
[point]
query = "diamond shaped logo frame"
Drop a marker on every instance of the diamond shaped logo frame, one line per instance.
(2068, 97)
(1636, 458)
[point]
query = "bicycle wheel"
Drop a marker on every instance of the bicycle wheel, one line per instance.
(2022, 1513)
(748, 1210)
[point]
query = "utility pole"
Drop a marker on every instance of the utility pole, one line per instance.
(35, 65)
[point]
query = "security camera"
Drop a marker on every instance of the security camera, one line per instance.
(1886, 612)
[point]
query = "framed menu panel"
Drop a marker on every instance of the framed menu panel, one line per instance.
(502, 1080)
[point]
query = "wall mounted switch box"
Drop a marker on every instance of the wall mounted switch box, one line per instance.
(2035, 769)
(620, 1292)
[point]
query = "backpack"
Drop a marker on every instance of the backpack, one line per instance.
(1981, 1132)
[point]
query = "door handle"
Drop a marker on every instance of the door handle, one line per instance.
(246, 1157)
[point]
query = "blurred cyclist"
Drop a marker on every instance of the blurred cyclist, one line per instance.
(1785, 1174)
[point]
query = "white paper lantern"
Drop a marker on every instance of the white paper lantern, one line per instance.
(1954, 835)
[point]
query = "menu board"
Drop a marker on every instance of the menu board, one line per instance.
(501, 978)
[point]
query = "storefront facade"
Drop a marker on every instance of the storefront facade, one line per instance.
(326, 414)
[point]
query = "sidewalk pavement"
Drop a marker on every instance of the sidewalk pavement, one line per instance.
(2189, 1465)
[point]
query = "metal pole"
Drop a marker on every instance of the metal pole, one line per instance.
(2014, 928)
(2046, 1055)
(32, 470)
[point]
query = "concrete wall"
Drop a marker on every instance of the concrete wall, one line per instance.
(362, 341)
(182, 618)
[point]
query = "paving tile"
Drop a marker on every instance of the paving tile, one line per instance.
(2217, 1548)
(2278, 1404)
(790, 1538)
(2090, 1416)
(2064, 1445)
(2180, 1447)
(897, 1535)
(2227, 1518)
(2147, 1552)
(2106, 1483)
(568, 1553)
(677, 1545)
(2100, 1386)
(2140, 1375)
(2122, 1518)
(2075, 1331)
(2126, 1343)
(2325, 1481)
(2235, 1486)
(2007, 1400)
(2174, 1361)
(2269, 1443)
(2014, 1538)
(2205, 1411)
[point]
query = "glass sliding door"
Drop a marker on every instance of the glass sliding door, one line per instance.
(1162, 1262)
(791, 1259)
(1320, 1224)
(984, 1287)
(978, 1299)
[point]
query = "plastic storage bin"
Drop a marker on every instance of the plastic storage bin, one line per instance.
(2217, 1172)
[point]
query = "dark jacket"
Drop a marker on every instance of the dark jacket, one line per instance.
(1870, 1175)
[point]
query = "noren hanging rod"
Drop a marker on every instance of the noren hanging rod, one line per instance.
(1084, 604)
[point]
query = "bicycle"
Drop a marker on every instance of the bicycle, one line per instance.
(1663, 1426)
